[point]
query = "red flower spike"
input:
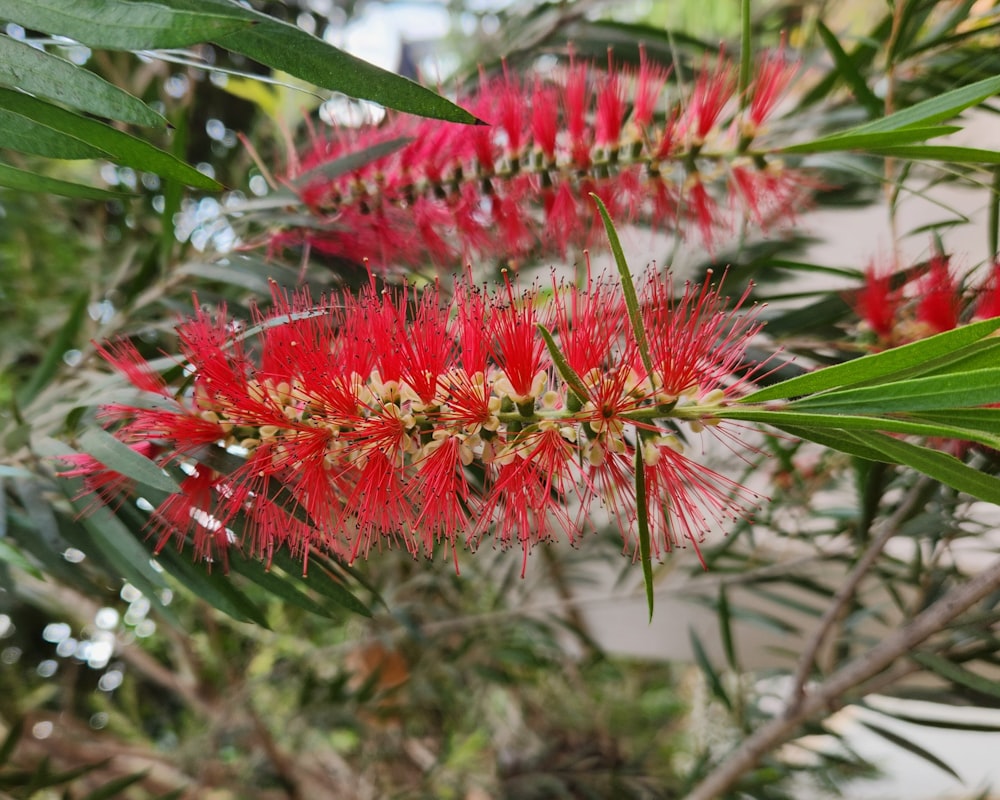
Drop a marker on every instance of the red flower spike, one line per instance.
(649, 86)
(877, 303)
(773, 75)
(987, 303)
(522, 183)
(356, 420)
(712, 92)
(940, 300)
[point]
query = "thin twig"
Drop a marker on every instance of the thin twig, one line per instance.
(862, 669)
(888, 529)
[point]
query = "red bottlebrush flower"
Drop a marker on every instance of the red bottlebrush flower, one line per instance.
(699, 341)
(354, 424)
(772, 77)
(702, 207)
(517, 348)
(940, 300)
(713, 90)
(770, 195)
(877, 303)
(987, 304)
(521, 183)
(649, 86)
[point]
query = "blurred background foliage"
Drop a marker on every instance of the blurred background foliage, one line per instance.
(126, 676)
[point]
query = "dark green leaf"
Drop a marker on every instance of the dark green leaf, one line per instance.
(119, 457)
(45, 75)
(957, 673)
(209, 583)
(113, 144)
(25, 181)
(933, 463)
(959, 390)
(955, 155)
(278, 585)
(847, 70)
(714, 681)
(114, 788)
(942, 425)
(25, 135)
(10, 741)
(53, 358)
(876, 365)
(726, 627)
(326, 582)
(936, 109)
(120, 25)
(642, 522)
(910, 746)
(562, 365)
(870, 140)
(290, 49)
(628, 287)
(351, 162)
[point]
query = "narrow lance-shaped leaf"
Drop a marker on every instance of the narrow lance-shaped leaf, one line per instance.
(46, 75)
(290, 49)
(51, 361)
(25, 181)
(958, 674)
(642, 523)
(876, 365)
(118, 456)
(628, 286)
(21, 133)
(952, 390)
(120, 25)
(909, 745)
(105, 140)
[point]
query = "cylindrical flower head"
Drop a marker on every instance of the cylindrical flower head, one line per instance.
(402, 418)
(519, 185)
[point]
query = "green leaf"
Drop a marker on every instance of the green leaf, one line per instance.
(574, 381)
(869, 140)
(351, 162)
(951, 390)
(45, 75)
(943, 425)
(910, 746)
(956, 155)
(714, 681)
(726, 628)
(642, 521)
(934, 110)
(53, 358)
(119, 25)
(114, 787)
(25, 135)
(121, 458)
(326, 582)
(10, 741)
(112, 143)
(849, 72)
(878, 447)
(957, 674)
(25, 181)
(12, 556)
(628, 287)
(290, 49)
(877, 365)
(212, 586)
(277, 585)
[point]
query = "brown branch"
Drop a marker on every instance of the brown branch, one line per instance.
(889, 528)
(853, 674)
